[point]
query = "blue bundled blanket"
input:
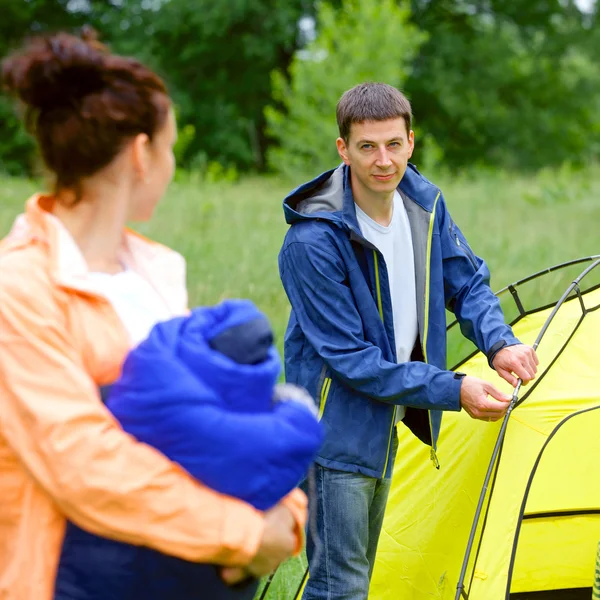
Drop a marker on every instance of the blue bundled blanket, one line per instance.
(201, 389)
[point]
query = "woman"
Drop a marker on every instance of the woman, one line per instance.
(77, 292)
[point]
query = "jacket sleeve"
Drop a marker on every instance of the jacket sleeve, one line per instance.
(99, 476)
(468, 293)
(314, 278)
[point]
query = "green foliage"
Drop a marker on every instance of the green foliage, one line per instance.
(510, 83)
(506, 83)
(16, 147)
(204, 171)
(217, 56)
(185, 137)
(362, 40)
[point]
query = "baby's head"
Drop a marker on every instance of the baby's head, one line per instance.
(247, 342)
(229, 347)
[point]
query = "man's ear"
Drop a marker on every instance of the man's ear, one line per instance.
(411, 143)
(342, 150)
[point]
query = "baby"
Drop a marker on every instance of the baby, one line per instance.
(202, 390)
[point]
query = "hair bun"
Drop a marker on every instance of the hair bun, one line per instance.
(56, 71)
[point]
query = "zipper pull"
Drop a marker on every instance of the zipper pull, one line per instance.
(434, 458)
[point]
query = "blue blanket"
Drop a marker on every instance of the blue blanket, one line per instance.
(201, 389)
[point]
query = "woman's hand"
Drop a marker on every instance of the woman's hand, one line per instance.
(278, 543)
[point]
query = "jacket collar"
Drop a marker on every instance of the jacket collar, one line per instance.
(329, 196)
(162, 267)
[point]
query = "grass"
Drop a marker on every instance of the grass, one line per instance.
(230, 235)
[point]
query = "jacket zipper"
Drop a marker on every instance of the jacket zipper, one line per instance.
(322, 391)
(324, 394)
(380, 307)
(433, 454)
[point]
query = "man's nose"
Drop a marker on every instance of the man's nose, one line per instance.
(383, 158)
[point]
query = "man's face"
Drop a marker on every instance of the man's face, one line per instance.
(378, 153)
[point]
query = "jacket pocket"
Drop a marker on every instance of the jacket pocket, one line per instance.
(462, 245)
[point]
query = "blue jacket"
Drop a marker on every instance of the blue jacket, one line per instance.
(339, 342)
(201, 389)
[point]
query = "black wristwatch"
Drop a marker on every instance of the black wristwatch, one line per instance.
(459, 375)
(494, 350)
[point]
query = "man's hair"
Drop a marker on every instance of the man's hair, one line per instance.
(371, 102)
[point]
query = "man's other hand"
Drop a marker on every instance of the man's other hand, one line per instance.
(481, 400)
(514, 362)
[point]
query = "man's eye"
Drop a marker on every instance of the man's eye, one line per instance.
(366, 146)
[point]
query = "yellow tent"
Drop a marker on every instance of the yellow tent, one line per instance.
(539, 525)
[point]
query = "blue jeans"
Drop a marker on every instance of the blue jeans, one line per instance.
(346, 514)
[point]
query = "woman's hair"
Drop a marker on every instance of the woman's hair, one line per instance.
(83, 103)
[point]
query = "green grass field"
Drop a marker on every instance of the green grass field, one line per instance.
(230, 235)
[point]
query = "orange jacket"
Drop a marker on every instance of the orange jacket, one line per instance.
(62, 454)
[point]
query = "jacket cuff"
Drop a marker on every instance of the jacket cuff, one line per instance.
(297, 502)
(455, 383)
(499, 346)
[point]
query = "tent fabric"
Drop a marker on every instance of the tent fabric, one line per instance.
(541, 521)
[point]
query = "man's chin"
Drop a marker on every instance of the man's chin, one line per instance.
(385, 186)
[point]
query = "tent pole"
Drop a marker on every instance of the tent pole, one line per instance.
(267, 585)
(460, 587)
(301, 586)
(552, 269)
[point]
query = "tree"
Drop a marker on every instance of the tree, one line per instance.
(506, 82)
(217, 57)
(362, 40)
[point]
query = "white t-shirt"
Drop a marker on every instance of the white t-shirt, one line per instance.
(395, 243)
(136, 302)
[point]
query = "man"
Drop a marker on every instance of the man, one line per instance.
(370, 263)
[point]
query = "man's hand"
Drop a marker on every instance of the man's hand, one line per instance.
(278, 543)
(475, 399)
(514, 362)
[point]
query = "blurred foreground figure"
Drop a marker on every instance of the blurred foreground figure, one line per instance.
(77, 292)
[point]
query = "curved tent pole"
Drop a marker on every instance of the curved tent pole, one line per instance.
(574, 285)
(569, 263)
(533, 276)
